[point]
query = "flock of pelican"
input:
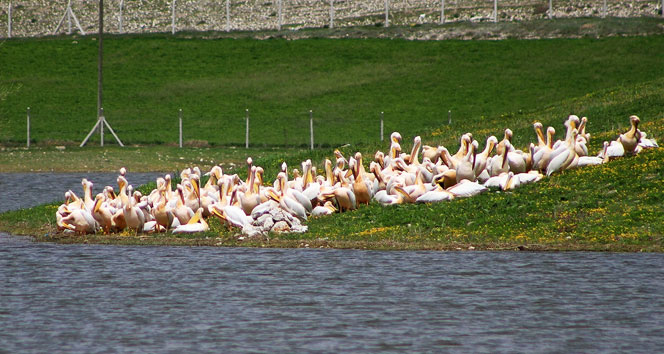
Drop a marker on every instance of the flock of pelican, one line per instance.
(425, 175)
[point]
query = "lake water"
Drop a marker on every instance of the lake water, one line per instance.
(25, 190)
(92, 298)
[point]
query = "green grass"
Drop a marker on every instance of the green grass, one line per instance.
(347, 83)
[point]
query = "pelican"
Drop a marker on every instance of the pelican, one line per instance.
(102, 214)
(565, 158)
(436, 195)
(325, 209)
(482, 158)
(80, 221)
(286, 202)
(466, 188)
(195, 224)
(630, 139)
(466, 166)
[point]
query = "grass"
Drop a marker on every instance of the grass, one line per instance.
(488, 85)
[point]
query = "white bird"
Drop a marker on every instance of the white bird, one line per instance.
(466, 188)
(195, 224)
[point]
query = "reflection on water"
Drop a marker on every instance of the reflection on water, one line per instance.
(89, 298)
(25, 190)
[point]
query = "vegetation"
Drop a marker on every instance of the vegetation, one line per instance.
(488, 86)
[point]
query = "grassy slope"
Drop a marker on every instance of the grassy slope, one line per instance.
(346, 82)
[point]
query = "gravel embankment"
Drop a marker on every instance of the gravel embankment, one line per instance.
(40, 17)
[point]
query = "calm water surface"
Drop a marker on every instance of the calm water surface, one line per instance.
(89, 298)
(25, 190)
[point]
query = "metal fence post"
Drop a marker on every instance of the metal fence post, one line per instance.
(228, 15)
(121, 8)
(9, 21)
(101, 126)
(246, 134)
(387, 13)
(332, 13)
(279, 2)
(495, 10)
(173, 16)
(449, 117)
(69, 17)
(442, 11)
(550, 9)
(28, 142)
(180, 116)
(604, 9)
(661, 8)
(311, 128)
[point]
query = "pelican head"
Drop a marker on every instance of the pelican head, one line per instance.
(395, 137)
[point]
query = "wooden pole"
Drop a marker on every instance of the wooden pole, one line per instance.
(332, 13)
(28, 142)
(311, 128)
(228, 15)
(550, 9)
(180, 116)
(449, 117)
(387, 13)
(246, 133)
(442, 11)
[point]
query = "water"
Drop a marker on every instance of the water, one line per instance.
(90, 298)
(25, 190)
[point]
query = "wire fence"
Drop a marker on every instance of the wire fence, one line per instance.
(30, 18)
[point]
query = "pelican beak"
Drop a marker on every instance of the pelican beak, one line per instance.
(97, 205)
(272, 194)
(218, 214)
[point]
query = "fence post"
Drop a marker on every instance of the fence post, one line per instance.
(180, 116)
(550, 9)
(228, 15)
(246, 134)
(604, 10)
(28, 142)
(279, 2)
(173, 16)
(332, 13)
(311, 128)
(442, 11)
(101, 127)
(661, 8)
(121, 7)
(495, 10)
(449, 117)
(9, 21)
(381, 126)
(69, 17)
(387, 13)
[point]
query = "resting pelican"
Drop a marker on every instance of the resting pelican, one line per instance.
(102, 214)
(286, 202)
(361, 188)
(502, 145)
(80, 221)
(542, 157)
(541, 141)
(434, 196)
(249, 200)
(325, 209)
(195, 224)
(466, 166)
(466, 188)
(481, 158)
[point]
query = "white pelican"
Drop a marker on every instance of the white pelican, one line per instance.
(481, 158)
(565, 158)
(102, 214)
(286, 202)
(325, 209)
(434, 196)
(466, 166)
(466, 188)
(195, 224)
(80, 221)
